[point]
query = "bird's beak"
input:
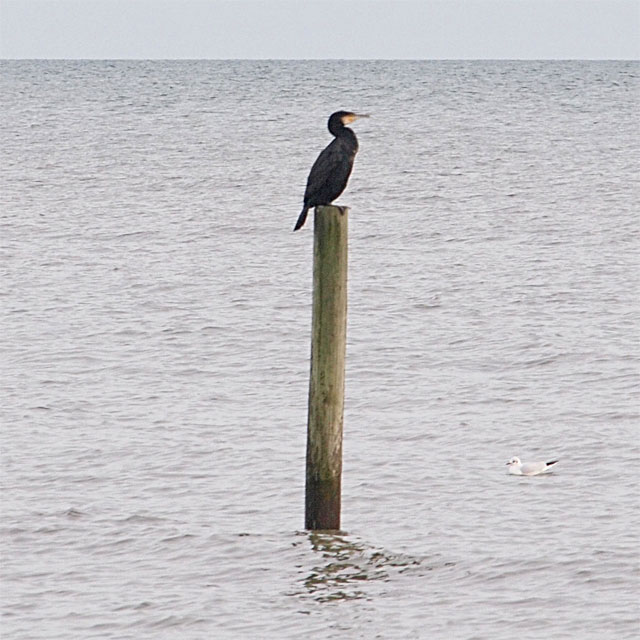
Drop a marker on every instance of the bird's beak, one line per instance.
(354, 116)
(508, 463)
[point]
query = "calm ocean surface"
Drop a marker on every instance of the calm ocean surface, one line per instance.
(155, 341)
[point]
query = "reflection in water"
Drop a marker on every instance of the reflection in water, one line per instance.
(346, 564)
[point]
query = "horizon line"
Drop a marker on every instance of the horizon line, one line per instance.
(436, 59)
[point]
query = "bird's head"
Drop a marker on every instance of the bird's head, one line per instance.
(341, 119)
(514, 461)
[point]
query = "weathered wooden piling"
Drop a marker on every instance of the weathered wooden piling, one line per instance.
(326, 382)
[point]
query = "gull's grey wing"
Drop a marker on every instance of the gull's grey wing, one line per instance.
(532, 468)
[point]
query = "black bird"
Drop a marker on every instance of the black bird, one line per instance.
(330, 172)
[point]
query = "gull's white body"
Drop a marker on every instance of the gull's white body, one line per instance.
(518, 468)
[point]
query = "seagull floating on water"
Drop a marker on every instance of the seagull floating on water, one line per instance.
(518, 468)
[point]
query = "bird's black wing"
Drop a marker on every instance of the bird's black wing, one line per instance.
(329, 174)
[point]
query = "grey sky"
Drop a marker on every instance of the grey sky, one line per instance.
(421, 29)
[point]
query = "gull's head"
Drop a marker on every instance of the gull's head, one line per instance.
(514, 461)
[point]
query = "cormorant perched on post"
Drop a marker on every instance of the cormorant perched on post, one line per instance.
(330, 172)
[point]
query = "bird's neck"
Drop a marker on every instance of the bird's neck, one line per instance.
(348, 138)
(339, 130)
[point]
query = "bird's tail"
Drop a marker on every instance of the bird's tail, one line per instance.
(301, 218)
(552, 462)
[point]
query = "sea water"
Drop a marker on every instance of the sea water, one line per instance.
(155, 351)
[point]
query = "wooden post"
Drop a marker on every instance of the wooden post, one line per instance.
(326, 383)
